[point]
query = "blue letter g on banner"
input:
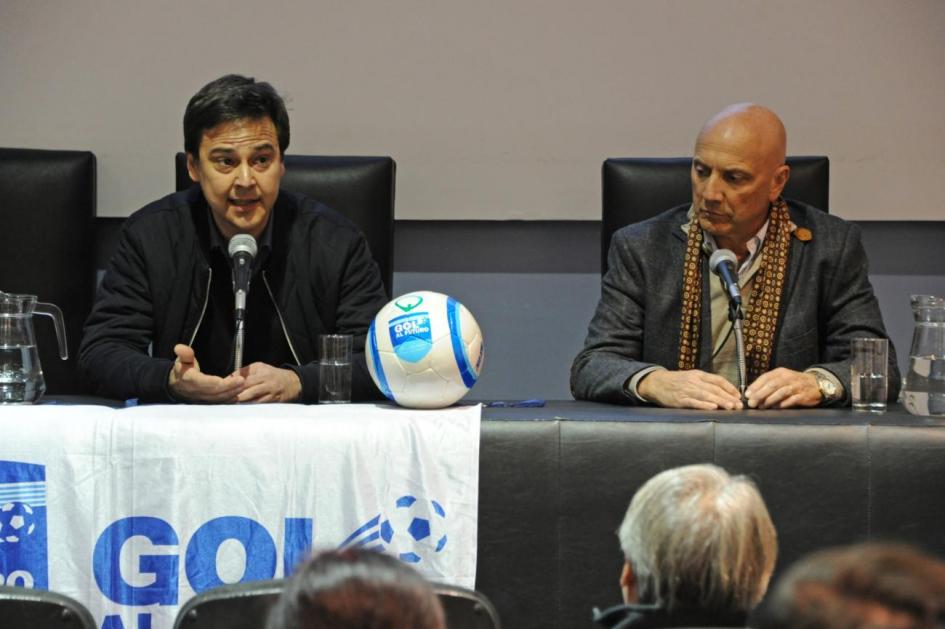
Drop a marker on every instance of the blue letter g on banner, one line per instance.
(106, 564)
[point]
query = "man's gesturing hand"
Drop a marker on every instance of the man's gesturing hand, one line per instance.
(689, 389)
(187, 383)
(784, 388)
(265, 383)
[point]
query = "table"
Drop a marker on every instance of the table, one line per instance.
(555, 481)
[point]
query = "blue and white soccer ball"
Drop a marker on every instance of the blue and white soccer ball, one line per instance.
(416, 529)
(424, 350)
(16, 522)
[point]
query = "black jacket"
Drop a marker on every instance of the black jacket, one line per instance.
(638, 616)
(320, 275)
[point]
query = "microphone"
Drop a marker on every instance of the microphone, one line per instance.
(242, 250)
(722, 262)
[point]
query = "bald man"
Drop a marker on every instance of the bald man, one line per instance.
(661, 333)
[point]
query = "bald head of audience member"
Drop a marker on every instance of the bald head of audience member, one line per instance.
(355, 589)
(866, 585)
(697, 539)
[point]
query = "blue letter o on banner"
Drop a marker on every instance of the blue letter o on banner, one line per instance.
(201, 557)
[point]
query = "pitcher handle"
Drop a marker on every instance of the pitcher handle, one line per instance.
(53, 311)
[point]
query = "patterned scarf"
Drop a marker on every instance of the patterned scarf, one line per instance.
(761, 319)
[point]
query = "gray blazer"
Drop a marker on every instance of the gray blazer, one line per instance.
(828, 301)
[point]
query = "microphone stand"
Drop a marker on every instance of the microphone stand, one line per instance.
(240, 316)
(736, 316)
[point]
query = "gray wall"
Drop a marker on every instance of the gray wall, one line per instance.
(493, 109)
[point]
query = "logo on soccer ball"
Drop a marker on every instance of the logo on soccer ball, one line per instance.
(410, 336)
(16, 522)
(414, 530)
(408, 302)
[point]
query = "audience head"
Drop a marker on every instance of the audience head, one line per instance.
(696, 538)
(865, 585)
(356, 589)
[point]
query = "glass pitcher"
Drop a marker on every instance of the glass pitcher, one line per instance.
(21, 376)
(924, 391)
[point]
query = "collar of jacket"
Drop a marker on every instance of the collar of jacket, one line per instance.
(640, 616)
(276, 235)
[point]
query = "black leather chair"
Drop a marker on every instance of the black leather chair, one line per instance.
(361, 188)
(466, 609)
(246, 606)
(47, 240)
(638, 188)
(238, 606)
(22, 608)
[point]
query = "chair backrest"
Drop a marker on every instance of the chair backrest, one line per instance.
(47, 201)
(22, 608)
(361, 188)
(237, 606)
(638, 188)
(246, 606)
(466, 609)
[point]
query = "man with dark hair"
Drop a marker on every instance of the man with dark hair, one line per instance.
(661, 333)
(166, 298)
(862, 586)
(356, 589)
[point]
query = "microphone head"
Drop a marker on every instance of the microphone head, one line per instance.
(242, 243)
(719, 256)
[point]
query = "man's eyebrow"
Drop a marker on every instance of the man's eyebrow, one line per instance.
(221, 150)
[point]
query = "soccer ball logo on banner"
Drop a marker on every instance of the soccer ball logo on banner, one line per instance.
(424, 350)
(16, 522)
(414, 531)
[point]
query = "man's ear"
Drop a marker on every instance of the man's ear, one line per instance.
(192, 168)
(780, 179)
(628, 584)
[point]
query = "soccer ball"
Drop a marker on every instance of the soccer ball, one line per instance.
(16, 522)
(416, 530)
(424, 350)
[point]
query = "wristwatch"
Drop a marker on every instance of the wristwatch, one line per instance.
(828, 388)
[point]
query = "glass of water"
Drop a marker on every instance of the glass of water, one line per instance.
(334, 369)
(868, 374)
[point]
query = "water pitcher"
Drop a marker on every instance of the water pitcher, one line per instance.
(924, 391)
(21, 376)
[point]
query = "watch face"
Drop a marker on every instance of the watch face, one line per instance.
(827, 388)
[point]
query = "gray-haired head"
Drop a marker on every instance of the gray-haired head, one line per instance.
(698, 538)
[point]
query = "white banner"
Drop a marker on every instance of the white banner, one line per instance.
(132, 511)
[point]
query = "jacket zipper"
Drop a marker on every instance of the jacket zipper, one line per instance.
(203, 311)
(285, 331)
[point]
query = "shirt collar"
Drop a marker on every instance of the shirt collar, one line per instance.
(264, 242)
(753, 245)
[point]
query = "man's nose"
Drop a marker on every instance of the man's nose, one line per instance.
(712, 189)
(244, 176)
